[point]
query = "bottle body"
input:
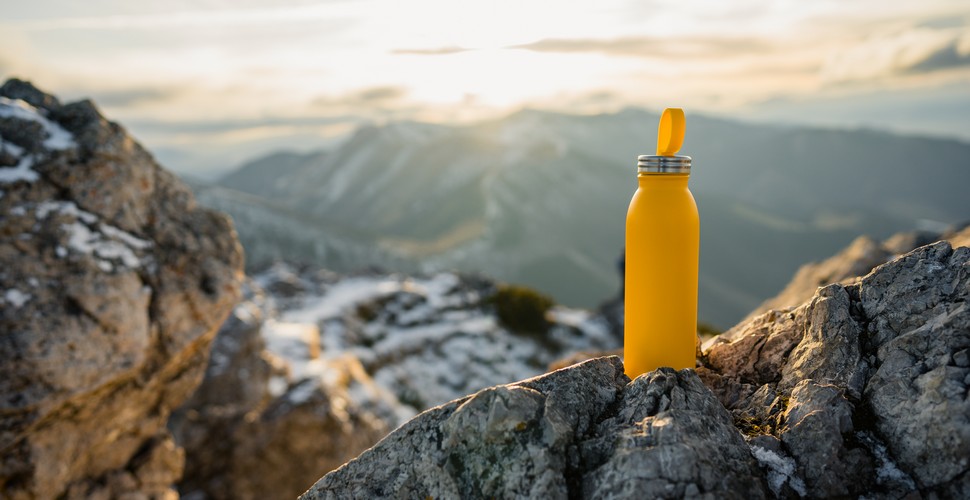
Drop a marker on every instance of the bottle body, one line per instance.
(660, 296)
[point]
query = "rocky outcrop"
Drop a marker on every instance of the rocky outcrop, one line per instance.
(112, 286)
(864, 387)
(860, 391)
(261, 426)
(855, 261)
(585, 431)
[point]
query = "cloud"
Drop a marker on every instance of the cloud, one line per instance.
(435, 51)
(944, 22)
(952, 55)
(380, 94)
(221, 126)
(133, 96)
(914, 51)
(368, 98)
(201, 18)
(641, 46)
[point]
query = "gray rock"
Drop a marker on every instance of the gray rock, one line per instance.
(670, 438)
(585, 431)
(919, 324)
(112, 286)
(871, 385)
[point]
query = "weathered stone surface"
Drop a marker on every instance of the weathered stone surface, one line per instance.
(918, 324)
(870, 392)
(505, 441)
(583, 431)
(670, 438)
(112, 286)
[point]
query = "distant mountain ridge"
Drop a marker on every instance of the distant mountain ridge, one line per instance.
(540, 197)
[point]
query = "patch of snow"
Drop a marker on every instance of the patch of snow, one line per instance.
(21, 172)
(887, 472)
(246, 312)
(56, 139)
(439, 286)
(18, 211)
(129, 239)
(294, 342)
(277, 386)
(569, 316)
(33, 282)
(430, 343)
(341, 296)
(418, 314)
(16, 298)
(780, 470)
(11, 148)
(107, 243)
(301, 392)
(45, 208)
(86, 242)
(409, 338)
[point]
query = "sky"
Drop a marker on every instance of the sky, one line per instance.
(208, 84)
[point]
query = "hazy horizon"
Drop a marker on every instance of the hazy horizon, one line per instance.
(210, 84)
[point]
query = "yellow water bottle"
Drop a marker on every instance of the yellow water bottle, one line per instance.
(662, 245)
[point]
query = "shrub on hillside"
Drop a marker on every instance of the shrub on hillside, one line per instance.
(521, 309)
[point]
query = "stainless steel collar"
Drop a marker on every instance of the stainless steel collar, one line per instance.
(663, 164)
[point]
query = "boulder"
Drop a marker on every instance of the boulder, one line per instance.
(859, 391)
(113, 284)
(263, 426)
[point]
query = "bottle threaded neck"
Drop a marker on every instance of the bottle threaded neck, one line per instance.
(655, 164)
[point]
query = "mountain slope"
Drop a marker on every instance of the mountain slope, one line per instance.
(540, 197)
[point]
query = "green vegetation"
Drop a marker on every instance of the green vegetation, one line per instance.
(706, 331)
(521, 309)
(750, 426)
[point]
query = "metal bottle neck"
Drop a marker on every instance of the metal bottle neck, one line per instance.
(663, 164)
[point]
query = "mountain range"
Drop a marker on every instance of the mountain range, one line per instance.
(539, 198)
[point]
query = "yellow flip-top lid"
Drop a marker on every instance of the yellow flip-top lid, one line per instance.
(670, 135)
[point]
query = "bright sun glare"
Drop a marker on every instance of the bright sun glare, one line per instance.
(258, 64)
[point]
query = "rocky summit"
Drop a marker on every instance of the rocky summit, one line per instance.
(861, 391)
(112, 286)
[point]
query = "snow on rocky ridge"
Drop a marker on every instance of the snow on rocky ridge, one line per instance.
(426, 339)
(56, 139)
